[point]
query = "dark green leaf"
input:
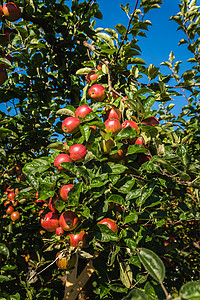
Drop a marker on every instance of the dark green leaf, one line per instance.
(190, 291)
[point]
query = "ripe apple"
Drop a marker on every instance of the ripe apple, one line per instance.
(3, 76)
(82, 111)
(151, 121)
(91, 76)
(113, 126)
(11, 195)
(119, 155)
(140, 141)
(60, 159)
(52, 203)
(110, 223)
(78, 240)
(59, 231)
(65, 190)
(15, 215)
(8, 57)
(97, 92)
(50, 221)
(9, 210)
(11, 11)
(65, 262)
(70, 125)
(129, 123)
(68, 220)
(5, 35)
(77, 152)
(107, 145)
(113, 113)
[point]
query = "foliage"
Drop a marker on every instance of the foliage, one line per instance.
(151, 191)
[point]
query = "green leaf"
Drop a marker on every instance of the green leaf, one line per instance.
(152, 72)
(65, 111)
(190, 291)
(125, 184)
(137, 61)
(105, 234)
(83, 71)
(136, 294)
(58, 146)
(38, 165)
(15, 297)
(136, 149)
(132, 217)
(4, 249)
(116, 199)
(4, 278)
(126, 133)
(146, 192)
(126, 275)
(152, 263)
(74, 194)
(2, 153)
(121, 29)
(85, 131)
(115, 168)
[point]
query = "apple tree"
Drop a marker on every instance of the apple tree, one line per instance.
(100, 191)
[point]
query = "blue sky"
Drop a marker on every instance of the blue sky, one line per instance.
(162, 37)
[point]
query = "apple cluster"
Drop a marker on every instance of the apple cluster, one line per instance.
(10, 204)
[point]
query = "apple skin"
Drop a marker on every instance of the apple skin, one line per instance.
(129, 123)
(110, 223)
(8, 57)
(60, 159)
(77, 152)
(3, 76)
(113, 113)
(52, 205)
(15, 215)
(50, 221)
(65, 190)
(82, 111)
(9, 210)
(1, 12)
(78, 240)
(151, 121)
(99, 67)
(5, 37)
(11, 11)
(59, 231)
(113, 126)
(91, 76)
(107, 145)
(68, 220)
(70, 125)
(140, 141)
(64, 263)
(97, 92)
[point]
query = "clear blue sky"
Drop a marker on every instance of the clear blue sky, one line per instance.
(162, 37)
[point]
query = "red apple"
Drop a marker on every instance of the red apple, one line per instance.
(11, 195)
(70, 125)
(82, 111)
(107, 145)
(5, 35)
(15, 215)
(68, 220)
(113, 126)
(6, 203)
(113, 113)
(8, 57)
(3, 76)
(129, 123)
(11, 11)
(77, 152)
(9, 210)
(78, 240)
(59, 231)
(52, 203)
(110, 223)
(60, 159)
(91, 76)
(50, 221)
(151, 121)
(97, 92)
(140, 141)
(1, 12)
(65, 190)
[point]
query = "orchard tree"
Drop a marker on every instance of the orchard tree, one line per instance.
(99, 192)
